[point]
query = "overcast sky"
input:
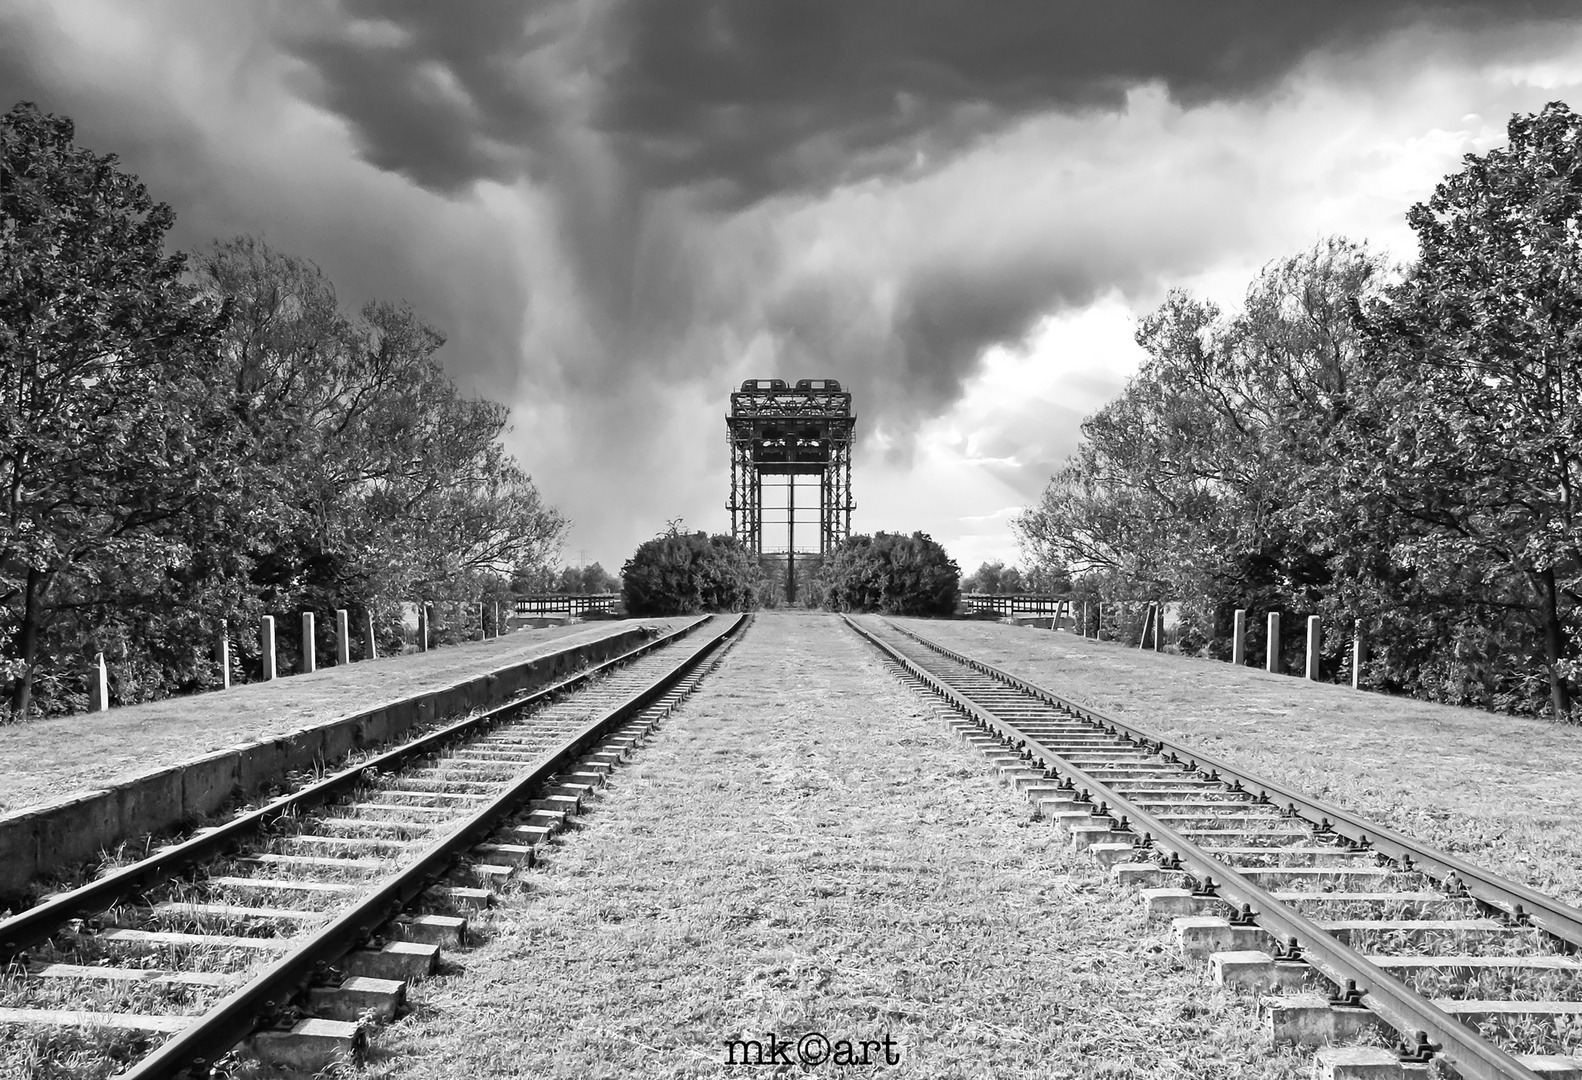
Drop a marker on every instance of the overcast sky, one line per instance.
(617, 211)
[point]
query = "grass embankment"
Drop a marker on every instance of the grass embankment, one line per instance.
(1503, 792)
(802, 850)
(44, 760)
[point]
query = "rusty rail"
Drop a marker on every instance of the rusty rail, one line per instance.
(1403, 1008)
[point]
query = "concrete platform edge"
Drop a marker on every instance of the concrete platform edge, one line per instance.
(66, 833)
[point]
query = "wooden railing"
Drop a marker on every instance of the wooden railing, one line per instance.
(565, 603)
(1016, 603)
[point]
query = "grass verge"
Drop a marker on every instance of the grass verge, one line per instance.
(803, 850)
(1503, 792)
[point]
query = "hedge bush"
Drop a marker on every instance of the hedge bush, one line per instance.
(890, 573)
(685, 573)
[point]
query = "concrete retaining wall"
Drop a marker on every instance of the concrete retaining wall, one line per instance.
(64, 835)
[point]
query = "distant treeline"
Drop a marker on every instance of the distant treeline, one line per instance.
(190, 440)
(1400, 448)
(681, 572)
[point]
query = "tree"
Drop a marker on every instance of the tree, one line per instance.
(1187, 486)
(1472, 438)
(105, 426)
(680, 573)
(994, 577)
(892, 573)
(587, 579)
(371, 475)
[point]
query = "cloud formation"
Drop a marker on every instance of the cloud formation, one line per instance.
(616, 209)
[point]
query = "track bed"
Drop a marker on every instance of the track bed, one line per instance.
(1358, 934)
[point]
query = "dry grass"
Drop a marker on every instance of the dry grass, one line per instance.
(46, 760)
(803, 850)
(64, 1053)
(1500, 791)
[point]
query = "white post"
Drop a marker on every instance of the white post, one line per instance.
(422, 627)
(1142, 635)
(308, 655)
(1272, 646)
(266, 644)
(1238, 640)
(1313, 632)
(343, 638)
(99, 692)
(1359, 654)
(497, 626)
(1084, 619)
(370, 643)
(222, 654)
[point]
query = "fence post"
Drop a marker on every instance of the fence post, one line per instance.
(1159, 627)
(370, 643)
(1359, 655)
(1238, 638)
(99, 690)
(343, 637)
(1272, 646)
(1313, 633)
(222, 654)
(266, 645)
(422, 626)
(309, 656)
(497, 626)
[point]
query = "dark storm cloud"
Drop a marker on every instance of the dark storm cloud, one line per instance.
(614, 109)
(365, 236)
(752, 98)
(758, 97)
(437, 92)
(615, 207)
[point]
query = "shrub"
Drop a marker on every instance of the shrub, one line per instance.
(891, 573)
(682, 573)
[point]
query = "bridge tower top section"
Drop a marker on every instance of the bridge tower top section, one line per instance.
(778, 429)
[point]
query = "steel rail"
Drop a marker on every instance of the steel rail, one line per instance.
(1388, 997)
(1515, 899)
(38, 923)
(238, 1015)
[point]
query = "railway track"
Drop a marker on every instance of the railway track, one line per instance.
(295, 925)
(1393, 958)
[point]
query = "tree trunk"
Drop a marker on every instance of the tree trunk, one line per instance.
(1554, 645)
(27, 645)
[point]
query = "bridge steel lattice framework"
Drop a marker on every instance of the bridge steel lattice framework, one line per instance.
(780, 430)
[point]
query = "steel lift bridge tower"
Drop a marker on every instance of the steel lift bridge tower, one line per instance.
(776, 430)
